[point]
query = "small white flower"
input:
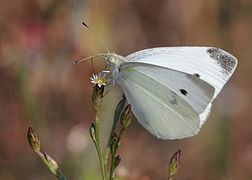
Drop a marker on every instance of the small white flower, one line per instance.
(100, 78)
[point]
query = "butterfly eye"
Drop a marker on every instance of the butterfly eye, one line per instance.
(110, 60)
(107, 59)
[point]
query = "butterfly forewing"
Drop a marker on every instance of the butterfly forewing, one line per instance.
(213, 65)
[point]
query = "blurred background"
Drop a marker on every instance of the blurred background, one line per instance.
(40, 87)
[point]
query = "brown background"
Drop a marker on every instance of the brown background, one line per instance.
(40, 87)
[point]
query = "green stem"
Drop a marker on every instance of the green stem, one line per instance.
(117, 114)
(170, 178)
(102, 164)
(113, 158)
(97, 120)
(51, 167)
(118, 111)
(97, 142)
(112, 166)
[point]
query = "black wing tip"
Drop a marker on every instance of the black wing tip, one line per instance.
(224, 59)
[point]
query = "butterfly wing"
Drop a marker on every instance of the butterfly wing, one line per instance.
(159, 105)
(213, 65)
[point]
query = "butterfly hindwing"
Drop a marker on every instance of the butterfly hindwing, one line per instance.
(160, 110)
(192, 89)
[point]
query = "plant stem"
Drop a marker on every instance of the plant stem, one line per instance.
(113, 158)
(51, 166)
(118, 111)
(112, 166)
(102, 164)
(97, 142)
(117, 114)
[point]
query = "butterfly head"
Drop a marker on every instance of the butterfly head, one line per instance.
(113, 60)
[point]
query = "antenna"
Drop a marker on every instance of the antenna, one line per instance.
(90, 57)
(92, 63)
(96, 37)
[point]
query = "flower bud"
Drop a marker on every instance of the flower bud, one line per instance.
(92, 132)
(117, 160)
(97, 94)
(174, 163)
(51, 162)
(126, 117)
(115, 143)
(33, 139)
(52, 166)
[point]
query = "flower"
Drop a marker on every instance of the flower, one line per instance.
(100, 78)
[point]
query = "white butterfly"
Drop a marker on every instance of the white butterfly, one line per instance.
(171, 89)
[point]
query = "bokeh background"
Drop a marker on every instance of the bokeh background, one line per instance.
(40, 87)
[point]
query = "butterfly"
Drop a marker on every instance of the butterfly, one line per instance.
(171, 89)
